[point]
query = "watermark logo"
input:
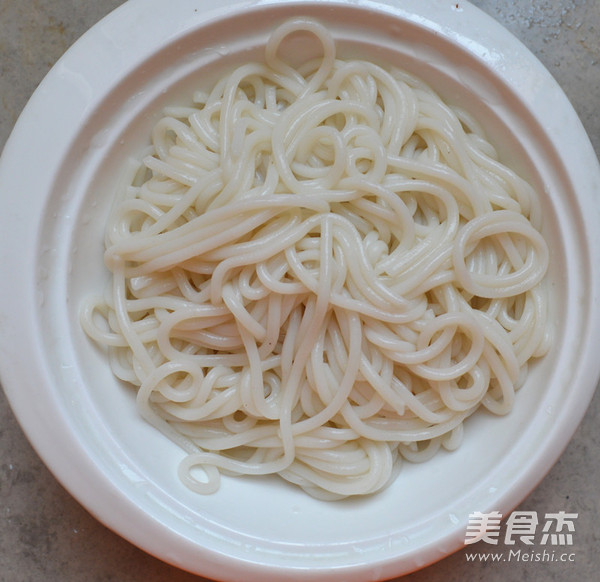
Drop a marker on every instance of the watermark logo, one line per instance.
(553, 531)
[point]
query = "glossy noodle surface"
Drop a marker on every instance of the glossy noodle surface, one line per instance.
(320, 271)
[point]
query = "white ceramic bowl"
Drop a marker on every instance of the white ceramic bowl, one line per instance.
(94, 108)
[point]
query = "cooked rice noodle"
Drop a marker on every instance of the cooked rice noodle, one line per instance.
(318, 271)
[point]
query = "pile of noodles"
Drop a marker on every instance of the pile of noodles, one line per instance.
(319, 271)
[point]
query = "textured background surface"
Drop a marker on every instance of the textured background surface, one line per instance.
(46, 535)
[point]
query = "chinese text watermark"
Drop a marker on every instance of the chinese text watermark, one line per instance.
(554, 532)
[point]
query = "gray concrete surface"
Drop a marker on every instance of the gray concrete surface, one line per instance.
(47, 536)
